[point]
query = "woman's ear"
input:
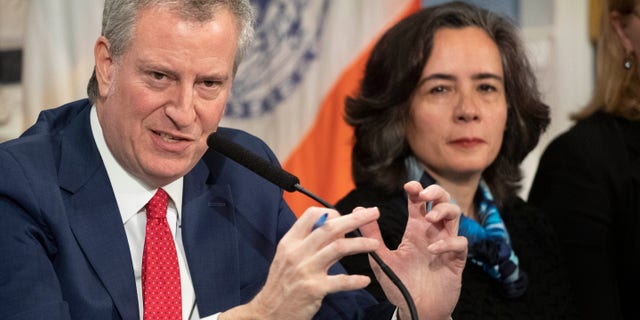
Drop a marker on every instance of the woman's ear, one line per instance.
(619, 26)
(104, 65)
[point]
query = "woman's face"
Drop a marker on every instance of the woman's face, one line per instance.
(458, 111)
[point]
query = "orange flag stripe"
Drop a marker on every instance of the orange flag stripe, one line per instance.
(322, 160)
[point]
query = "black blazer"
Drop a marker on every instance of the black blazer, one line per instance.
(588, 182)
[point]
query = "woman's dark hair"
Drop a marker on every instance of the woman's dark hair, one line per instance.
(380, 112)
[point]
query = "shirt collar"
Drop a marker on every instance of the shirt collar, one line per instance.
(131, 194)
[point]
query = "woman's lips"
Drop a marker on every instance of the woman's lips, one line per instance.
(467, 142)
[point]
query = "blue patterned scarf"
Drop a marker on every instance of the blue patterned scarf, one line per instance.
(489, 242)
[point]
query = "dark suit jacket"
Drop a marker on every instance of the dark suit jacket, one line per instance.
(588, 181)
(63, 245)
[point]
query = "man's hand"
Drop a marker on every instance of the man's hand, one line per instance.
(431, 257)
(298, 279)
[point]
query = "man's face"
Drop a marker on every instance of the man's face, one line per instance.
(166, 93)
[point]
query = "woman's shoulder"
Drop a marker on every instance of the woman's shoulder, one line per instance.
(583, 144)
(599, 127)
(517, 208)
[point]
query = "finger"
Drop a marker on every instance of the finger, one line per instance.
(416, 206)
(359, 231)
(372, 229)
(304, 225)
(457, 245)
(303, 240)
(413, 189)
(339, 248)
(435, 194)
(443, 212)
(339, 226)
(421, 201)
(345, 282)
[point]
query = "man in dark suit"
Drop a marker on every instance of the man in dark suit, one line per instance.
(76, 188)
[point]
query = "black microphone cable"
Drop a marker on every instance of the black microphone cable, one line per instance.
(291, 183)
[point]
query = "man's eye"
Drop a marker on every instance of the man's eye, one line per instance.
(158, 75)
(209, 84)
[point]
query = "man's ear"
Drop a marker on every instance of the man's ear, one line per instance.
(104, 65)
(618, 24)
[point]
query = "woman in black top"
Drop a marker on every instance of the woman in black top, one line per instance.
(588, 180)
(448, 97)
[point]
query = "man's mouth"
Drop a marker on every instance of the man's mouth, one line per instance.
(169, 138)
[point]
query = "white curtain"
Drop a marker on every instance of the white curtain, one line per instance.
(58, 52)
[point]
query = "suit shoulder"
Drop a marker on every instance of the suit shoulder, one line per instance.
(54, 120)
(44, 135)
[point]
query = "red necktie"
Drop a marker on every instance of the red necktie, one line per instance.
(160, 271)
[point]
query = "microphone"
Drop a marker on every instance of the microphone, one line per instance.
(291, 183)
(249, 160)
(262, 167)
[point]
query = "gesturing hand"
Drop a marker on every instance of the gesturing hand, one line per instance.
(298, 278)
(431, 257)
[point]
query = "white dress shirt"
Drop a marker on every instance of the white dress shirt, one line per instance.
(131, 196)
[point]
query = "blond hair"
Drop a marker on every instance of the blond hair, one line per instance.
(617, 90)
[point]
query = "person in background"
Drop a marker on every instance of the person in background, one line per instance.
(588, 178)
(449, 98)
(113, 207)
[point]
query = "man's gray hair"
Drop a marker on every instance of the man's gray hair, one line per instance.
(119, 18)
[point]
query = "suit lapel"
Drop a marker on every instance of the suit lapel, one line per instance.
(209, 234)
(94, 216)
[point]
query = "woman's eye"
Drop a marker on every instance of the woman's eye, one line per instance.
(438, 89)
(487, 88)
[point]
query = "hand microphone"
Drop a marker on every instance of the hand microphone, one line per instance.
(291, 183)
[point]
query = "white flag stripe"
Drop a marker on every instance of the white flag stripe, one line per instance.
(349, 27)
